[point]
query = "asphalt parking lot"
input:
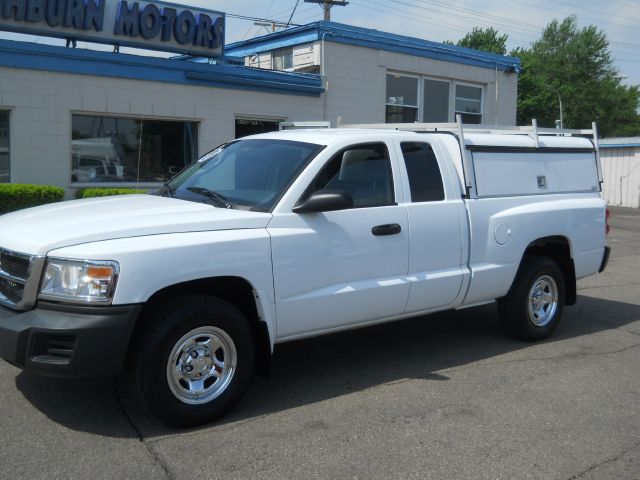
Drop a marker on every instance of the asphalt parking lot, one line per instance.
(445, 396)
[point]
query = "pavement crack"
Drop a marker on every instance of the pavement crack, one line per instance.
(217, 428)
(154, 455)
(159, 460)
(632, 333)
(605, 462)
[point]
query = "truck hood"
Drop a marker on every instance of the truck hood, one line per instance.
(38, 230)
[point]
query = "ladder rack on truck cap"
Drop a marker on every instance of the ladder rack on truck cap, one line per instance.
(460, 129)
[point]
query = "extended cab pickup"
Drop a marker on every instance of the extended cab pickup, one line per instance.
(292, 234)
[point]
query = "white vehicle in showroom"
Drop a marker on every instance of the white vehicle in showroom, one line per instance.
(292, 234)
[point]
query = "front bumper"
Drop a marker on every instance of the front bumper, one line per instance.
(68, 341)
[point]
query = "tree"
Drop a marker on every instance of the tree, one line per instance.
(575, 65)
(486, 40)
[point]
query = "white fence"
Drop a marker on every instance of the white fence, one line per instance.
(620, 159)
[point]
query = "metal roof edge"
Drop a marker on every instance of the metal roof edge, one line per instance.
(624, 140)
(276, 43)
(294, 33)
(34, 56)
(619, 145)
(369, 38)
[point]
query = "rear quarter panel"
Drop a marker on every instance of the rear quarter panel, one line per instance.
(518, 221)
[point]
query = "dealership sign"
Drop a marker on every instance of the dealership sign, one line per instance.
(141, 24)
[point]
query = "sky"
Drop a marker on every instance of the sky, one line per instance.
(438, 20)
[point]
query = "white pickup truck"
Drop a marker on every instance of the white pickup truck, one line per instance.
(286, 235)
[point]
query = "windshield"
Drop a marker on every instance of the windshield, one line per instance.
(245, 174)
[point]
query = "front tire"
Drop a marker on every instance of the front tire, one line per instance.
(194, 360)
(533, 307)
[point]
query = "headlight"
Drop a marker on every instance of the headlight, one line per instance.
(79, 281)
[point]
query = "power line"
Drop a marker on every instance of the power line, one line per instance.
(599, 20)
(300, 12)
(600, 12)
(293, 11)
(473, 14)
(527, 32)
(504, 22)
(277, 19)
(414, 18)
(626, 5)
(466, 19)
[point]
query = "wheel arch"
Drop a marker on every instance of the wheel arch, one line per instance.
(558, 248)
(237, 291)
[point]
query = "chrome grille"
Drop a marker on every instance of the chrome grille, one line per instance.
(19, 279)
(16, 266)
(12, 291)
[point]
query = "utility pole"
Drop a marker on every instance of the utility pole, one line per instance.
(272, 24)
(327, 4)
(561, 116)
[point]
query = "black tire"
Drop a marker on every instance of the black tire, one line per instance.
(528, 314)
(202, 318)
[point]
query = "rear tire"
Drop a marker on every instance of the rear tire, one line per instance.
(194, 360)
(533, 307)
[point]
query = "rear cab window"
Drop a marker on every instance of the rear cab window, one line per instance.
(425, 179)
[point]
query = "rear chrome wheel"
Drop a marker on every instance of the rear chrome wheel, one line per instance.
(543, 301)
(533, 307)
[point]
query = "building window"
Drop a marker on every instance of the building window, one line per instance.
(282, 59)
(249, 126)
(4, 147)
(120, 149)
(469, 103)
(402, 99)
(435, 101)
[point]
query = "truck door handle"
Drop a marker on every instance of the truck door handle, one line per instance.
(388, 229)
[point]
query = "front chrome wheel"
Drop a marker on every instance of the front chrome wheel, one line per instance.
(543, 301)
(201, 365)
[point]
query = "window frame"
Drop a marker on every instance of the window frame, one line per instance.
(403, 105)
(144, 184)
(308, 190)
(450, 105)
(482, 95)
(9, 112)
(259, 118)
(453, 83)
(282, 52)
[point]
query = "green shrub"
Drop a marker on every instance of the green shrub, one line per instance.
(105, 192)
(15, 196)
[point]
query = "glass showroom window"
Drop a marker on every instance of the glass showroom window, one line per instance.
(4, 146)
(282, 59)
(436, 101)
(402, 99)
(469, 103)
(119, 149)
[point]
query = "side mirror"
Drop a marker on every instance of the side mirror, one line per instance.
(325, 201)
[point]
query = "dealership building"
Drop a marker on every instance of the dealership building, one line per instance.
(77, 117)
